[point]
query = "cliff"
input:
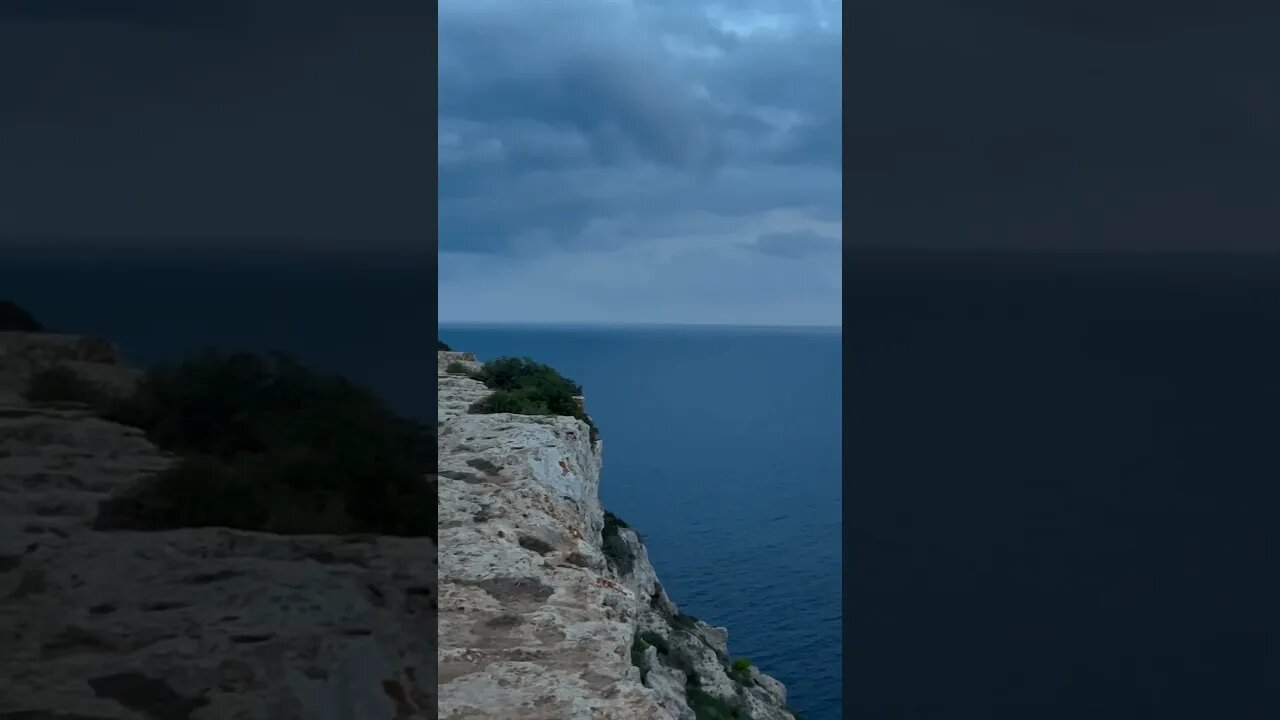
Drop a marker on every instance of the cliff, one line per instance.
(549, 606)
(183, 624)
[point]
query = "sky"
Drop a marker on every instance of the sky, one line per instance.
(659, 161)
(655, 161)
(234, 126)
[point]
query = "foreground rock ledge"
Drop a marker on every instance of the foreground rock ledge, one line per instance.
(196, 624)
(537, 621)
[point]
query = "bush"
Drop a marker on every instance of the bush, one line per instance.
(525, 387)
(61, 384)
(441, 347)
(638, 647)
(684, 621)
(15, 319)
(740, 670)
(458, 368)
(269, 445)
(649, 637)
(709, 707)
(616, 550)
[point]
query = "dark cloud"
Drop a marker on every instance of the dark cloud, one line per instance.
(663, 110)
(611, 175)
(794, 245)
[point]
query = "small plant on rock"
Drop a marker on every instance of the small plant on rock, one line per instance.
(266, 444)
(616, 550)
(61, 384)
(525, 387)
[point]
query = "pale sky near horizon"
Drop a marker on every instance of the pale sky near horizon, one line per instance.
(617, 162)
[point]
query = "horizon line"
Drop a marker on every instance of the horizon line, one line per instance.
(624, 324)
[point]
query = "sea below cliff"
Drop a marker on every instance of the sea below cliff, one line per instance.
(723, 451)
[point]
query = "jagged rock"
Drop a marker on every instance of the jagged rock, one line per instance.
(669, 683)
(536, 621)
(194, 623)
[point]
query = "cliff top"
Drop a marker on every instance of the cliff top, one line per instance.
(549, 606)
(167, 611)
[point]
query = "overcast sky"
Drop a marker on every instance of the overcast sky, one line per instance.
(670, 161)
(658, 160)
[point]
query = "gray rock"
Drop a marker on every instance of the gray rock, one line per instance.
(534, 623)
(195, 623)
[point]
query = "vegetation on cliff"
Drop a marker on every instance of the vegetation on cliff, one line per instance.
(616, 551)
(267, 444)
(526, 387)
(61, 384)
(15, 319)
(442, 347)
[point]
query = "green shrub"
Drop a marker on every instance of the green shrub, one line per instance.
(709, 707)
(650, 637)
(638, 647)
(458, 368)
(15, 319)
(683, 621)
(616, 550)
(525, 387)
(740, 670)
(61, 384)
(441, 347)
(269, 445)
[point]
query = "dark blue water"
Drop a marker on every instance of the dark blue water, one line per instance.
(371, 324)
(1063, 491)
(722, 447)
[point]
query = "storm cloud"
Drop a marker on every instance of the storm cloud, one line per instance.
(615, 161)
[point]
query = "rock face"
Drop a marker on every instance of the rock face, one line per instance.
(195, 624)
(550, 608)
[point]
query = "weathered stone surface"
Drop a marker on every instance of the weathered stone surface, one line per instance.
(536, 621)
(94, 359)
(198, 624)
(457, 391)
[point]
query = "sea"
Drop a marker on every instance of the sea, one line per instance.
(722, 448)
(1061, 481)
(721, 445)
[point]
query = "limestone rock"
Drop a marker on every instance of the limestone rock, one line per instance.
(201, 624)
(536, 621)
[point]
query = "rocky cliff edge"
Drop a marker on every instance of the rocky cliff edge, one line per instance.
(193, 624)
(549, 606)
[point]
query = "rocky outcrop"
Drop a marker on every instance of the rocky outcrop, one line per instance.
(193, 624)
(22, 354)
(550, 608)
